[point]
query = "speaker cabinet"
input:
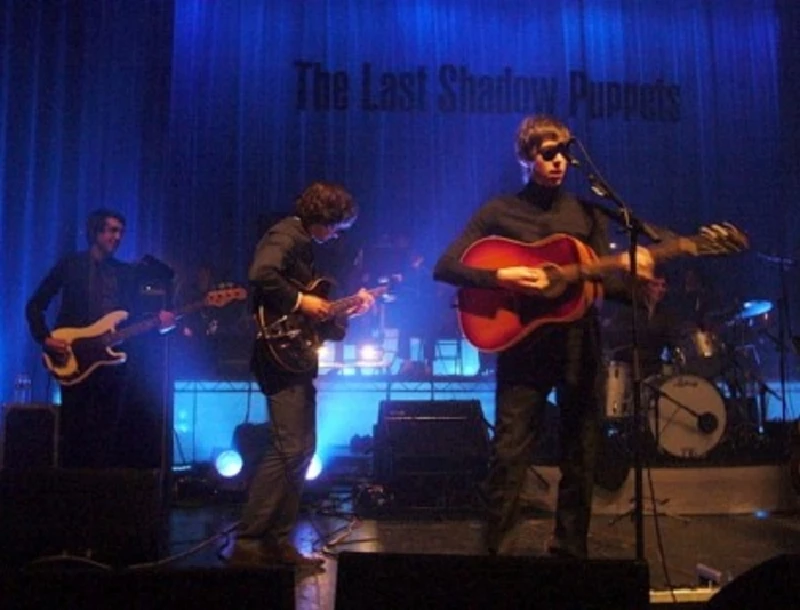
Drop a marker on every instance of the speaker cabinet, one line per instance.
(29, 436)
(56, 587)
(431, 452)
(113, 516)
(398, 581)
(771, 585)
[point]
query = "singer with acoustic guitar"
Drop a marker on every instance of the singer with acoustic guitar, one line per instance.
(293, 315)
(565, 356)
(531, 270)
(92, 284)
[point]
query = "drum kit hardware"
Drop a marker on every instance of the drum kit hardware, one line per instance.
(699, 398)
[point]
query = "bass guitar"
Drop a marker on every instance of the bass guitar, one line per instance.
(93, 346)
(494, 320)
(293, 340)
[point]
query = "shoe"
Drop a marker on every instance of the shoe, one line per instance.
(291, 556)
(556, 548)
(257, 553)
(254, 553)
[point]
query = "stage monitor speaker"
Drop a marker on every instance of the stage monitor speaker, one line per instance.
(771, 585)
(54, 586)
(29, 436)
(112, 516)
(424, 449)
(397, 581)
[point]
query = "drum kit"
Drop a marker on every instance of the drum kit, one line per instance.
(709, 385)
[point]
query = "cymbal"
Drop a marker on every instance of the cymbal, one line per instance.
(753, 309)
(777, 260)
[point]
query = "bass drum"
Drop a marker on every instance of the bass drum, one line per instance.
(686, 414)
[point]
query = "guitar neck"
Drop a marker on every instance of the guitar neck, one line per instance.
(665, 250)
(148, 324)
(340, 306)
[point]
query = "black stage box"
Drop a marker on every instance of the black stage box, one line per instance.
(64, 586)
(29, 435)
(401, 581)
(113, 516)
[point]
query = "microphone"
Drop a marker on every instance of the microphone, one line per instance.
(568, 154)
(707, 422)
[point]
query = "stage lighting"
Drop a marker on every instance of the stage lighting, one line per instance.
(326, 353)
(370, 352)
(314, 468)
(228, 464)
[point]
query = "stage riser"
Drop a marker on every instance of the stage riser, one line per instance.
(689, 491)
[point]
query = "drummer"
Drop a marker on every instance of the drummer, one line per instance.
(693, 301)
(658, 330)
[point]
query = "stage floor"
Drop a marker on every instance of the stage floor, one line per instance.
(730, 544)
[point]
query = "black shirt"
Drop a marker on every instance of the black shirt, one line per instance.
(89, 289)
(283, 261)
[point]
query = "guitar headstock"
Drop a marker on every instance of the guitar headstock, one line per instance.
(722, 238)
(713, 240)
(221, 297)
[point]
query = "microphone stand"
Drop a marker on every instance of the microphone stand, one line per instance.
(634, 227)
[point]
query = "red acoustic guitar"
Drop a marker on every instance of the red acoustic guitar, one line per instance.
(495, 319)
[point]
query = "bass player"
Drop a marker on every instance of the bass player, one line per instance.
(91, 283)
(564, 356)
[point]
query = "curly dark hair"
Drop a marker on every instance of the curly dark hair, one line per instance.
(326, 204)
(96, 222)
(533, 131)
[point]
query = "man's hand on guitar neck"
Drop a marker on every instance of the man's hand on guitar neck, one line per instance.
(367, 301)
(645, 265)
(530, 280)
(314, 307)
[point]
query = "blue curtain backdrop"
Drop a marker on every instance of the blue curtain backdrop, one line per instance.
(200, 120)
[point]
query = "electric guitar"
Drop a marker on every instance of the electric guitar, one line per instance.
(293, 340)
(92, 346)
(495, 319)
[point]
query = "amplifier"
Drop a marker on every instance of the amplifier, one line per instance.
(29, 435)
(424, 449)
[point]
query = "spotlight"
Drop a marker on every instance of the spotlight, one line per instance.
(326, 354)
(369, 352)
(314, 468)
(228, 463)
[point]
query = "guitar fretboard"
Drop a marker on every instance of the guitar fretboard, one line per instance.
(340, 306)
(665, 250)
(215, 298)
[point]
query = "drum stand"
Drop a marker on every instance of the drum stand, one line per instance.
(657, 503)
(651, 512)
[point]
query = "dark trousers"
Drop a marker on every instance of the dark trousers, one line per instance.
(277, 484)
(573, 368)
(90, 420)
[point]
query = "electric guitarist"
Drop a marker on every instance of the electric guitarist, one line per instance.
(283, 276)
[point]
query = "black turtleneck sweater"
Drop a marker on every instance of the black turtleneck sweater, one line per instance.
(534, 213)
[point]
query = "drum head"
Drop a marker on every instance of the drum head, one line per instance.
(687, 415)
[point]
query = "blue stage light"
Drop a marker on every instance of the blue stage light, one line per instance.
(314, 468)
(228, 463)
